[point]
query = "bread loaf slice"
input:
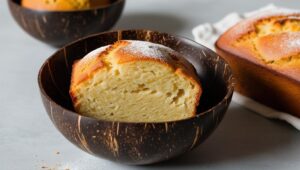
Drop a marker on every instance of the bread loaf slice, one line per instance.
(264, 54)
(135, 81)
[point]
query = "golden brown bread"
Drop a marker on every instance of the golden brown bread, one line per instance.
(264, 53)
(135, 81)
(63, 5)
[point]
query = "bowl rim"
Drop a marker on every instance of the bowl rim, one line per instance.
(229, 87)
(117, 2)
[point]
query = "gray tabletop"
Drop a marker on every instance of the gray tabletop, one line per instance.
(28, 140)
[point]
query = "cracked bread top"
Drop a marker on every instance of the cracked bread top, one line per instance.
(130, 51)
(271, 40)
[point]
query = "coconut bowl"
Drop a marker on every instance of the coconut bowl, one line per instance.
(131, 142)
(58, 28)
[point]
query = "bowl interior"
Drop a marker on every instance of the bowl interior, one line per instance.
(214, 73)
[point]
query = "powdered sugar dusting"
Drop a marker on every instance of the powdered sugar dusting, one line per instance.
(139, 49)
(148, 49)
(294, 41)
(95, 52)
(289, 43)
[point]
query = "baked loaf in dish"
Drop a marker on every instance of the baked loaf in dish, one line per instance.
(135, 81)
(264, 53)
(63, 5)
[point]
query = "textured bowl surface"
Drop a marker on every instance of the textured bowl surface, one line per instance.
(136, 143)
(58, 28)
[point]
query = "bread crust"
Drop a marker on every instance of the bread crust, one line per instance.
(266, 64)
(276, 46)
(63, 5)
(85, 68)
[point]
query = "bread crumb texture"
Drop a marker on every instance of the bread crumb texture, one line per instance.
(275, 40)
(135, 81)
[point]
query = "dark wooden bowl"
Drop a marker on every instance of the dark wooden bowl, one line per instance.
(136, 143)
(58, 28)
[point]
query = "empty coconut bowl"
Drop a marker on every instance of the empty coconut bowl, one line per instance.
(136, 143)
(60, 27)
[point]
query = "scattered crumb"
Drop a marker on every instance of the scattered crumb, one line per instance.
(52, 168)
(57, 166)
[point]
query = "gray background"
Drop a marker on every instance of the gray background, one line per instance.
(29, 141)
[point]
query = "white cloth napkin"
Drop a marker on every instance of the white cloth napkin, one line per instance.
(208, 33)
